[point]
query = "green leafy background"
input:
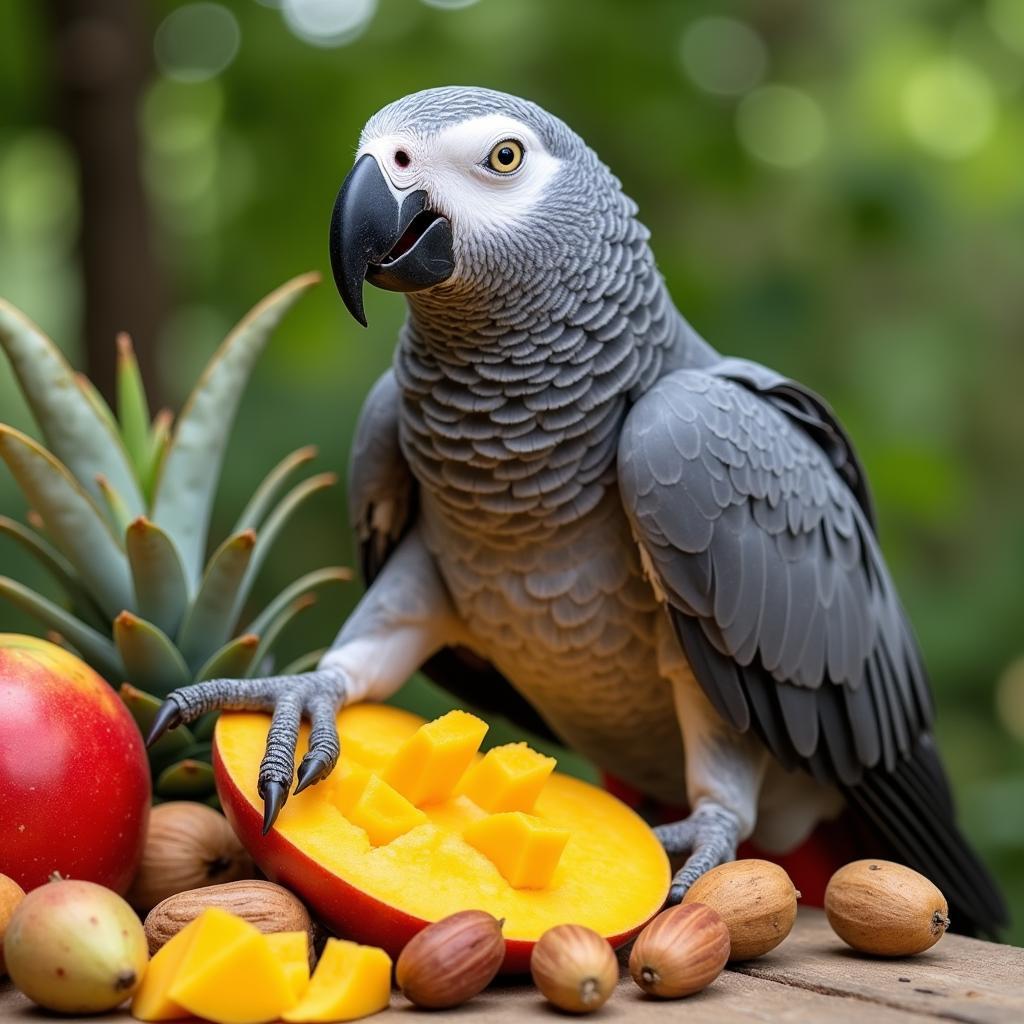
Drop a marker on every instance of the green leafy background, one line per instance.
(860, 228)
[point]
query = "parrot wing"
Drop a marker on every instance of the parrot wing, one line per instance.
(754, 521)
(383, 500)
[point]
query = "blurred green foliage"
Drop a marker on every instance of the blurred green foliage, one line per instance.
(833, 189)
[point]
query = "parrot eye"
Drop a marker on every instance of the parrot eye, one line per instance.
(505, 157)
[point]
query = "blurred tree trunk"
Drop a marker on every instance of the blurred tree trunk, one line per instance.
(101, 54)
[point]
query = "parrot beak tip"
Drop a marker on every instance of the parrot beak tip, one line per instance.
(394, 242)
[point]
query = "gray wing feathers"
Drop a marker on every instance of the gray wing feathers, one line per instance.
(761, 541)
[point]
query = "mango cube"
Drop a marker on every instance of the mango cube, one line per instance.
(508, 778)
(429, 764)
(523, 848)
(292, 949)
(151, 1001)
(374, 806)
(229, 974)
(350, 981)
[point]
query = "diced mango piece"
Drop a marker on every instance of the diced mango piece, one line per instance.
(523, 848)
(369, 802)
(151, 1001)
(350, 981)
(229, 973)
(507, 778)
(292, 950)
(431, 761)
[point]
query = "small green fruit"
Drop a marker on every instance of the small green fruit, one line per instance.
(75, 947)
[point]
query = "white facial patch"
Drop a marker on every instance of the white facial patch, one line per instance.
(451, 167)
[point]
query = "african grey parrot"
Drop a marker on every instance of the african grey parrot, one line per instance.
(576, 511)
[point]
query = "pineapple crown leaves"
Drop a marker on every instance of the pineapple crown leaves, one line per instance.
(122, 508)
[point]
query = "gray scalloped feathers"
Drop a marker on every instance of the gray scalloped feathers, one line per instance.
(549, 415)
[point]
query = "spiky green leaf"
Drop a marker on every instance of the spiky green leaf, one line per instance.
(151, 661)
(276, 522)
(215, 610)
(73, 521)
(161, 593)
(57, 566)
(97, 401)
(303, 585)
(93, 646)
(268, 491)
(159, 439)
(278, 624)
(114, 504)
(304, 662)
(187, 780)
(76, 431)
(187, 481)
(132, 407)
(143, 706)
(232, 661)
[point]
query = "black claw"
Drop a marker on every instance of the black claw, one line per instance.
(274, 796)
(168, 717)
(311, 771)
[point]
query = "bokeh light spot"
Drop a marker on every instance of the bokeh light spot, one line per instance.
(1007, 20)
(328, 22)
(949, 108)
(723, 56)
(781, 126)
(196, 42)
(1010, 698)
(451, 5)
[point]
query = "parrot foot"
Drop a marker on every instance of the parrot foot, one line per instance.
(709, 836)
(316, 695)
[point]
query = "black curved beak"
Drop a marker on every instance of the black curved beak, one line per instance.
(402, 247)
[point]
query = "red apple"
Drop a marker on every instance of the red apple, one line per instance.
(74, 780)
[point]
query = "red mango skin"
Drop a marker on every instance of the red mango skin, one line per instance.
(74, 780)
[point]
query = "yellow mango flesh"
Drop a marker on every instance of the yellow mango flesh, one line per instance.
(612, 876)
(151, 1001)
(229, 973)
(525, 849)
(377, 808)
(429, 764)
(292, 950)
(350, 981)
(507, 778)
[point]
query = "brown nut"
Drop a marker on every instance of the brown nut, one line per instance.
(451, 960)
(886, 909)
(269, 907)
(188, 845)
(574, 968)
(755, 898)
(680, 952)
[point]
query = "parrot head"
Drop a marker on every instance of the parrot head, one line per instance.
(455, 189)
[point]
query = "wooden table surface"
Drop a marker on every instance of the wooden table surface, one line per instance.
(812, 978)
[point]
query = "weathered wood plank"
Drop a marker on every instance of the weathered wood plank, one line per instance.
(733, 998)
(810, 979)
(959, 979)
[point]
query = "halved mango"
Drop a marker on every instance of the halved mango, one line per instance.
(612, 875)
(350, 981)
